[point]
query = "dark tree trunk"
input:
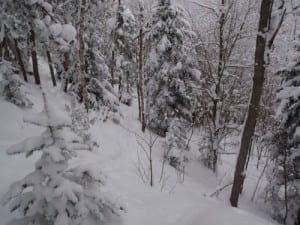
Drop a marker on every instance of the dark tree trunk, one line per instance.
(35, 66)
(298, 217)
(6, 54)
(19, 57)
(1, 50)
(112, 68)
(66, 68)
(258, 81)
(84, 91)
(141, 81)
(120, 87)
(138, 91)
(51, 68)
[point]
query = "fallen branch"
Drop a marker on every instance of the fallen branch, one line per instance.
(220, 189)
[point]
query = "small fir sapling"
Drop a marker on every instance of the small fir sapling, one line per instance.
(54, 194)
(176, 148)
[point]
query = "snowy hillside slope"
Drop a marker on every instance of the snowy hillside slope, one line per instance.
(120, 157)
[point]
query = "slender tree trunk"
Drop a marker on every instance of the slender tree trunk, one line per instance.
(220, 70)
(140, 70)
(5, 50)
(151, 142)
(151, 170)
(258, 81)
(66, 68)
(84, 91)
(35, 66)
(138, 91)
(19, 57)
(51, 68)
(220, 63)
(28, 46)
(298, 217)
(285, 183)
(120, 87)
(1, 50)
(112, 68)
(141, 81)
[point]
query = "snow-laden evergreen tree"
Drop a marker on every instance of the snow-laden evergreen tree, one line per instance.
(36, 27)
(170, 72)
(18, 18)
(54, 193)
(11, 85)
(63, 36)
(25, 28)
(80, 121)
(284, 187)
(100, 89)
(169, 67)
(123, 36)
(176, 146)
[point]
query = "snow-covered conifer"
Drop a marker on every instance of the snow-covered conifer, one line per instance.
(53, 193)
(170, 75)
(123, 37)
(100, 89)
(176, 146)
(284, 188)
(169, 67)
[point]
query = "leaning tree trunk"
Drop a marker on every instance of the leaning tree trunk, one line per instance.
(258, 81)
(84, 91)
(19, 57)
(4, 51)
(35, 66)
(51, 68)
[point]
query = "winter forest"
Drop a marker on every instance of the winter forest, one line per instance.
(153, 112)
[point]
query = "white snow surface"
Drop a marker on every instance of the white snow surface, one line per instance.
(120, 157)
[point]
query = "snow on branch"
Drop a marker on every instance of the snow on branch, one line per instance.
(27, 146)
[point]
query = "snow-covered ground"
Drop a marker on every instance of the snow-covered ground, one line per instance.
(173, 200)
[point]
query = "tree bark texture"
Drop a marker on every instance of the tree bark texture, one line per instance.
(112, 68)
(19, 57)
(253, 109)
(4, 49)
(220, 71)
(141, 81)
(1, 50)
(51, 68)
(66, 68)
(35, 66)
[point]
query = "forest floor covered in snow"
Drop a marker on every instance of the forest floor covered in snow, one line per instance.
(174, 199)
